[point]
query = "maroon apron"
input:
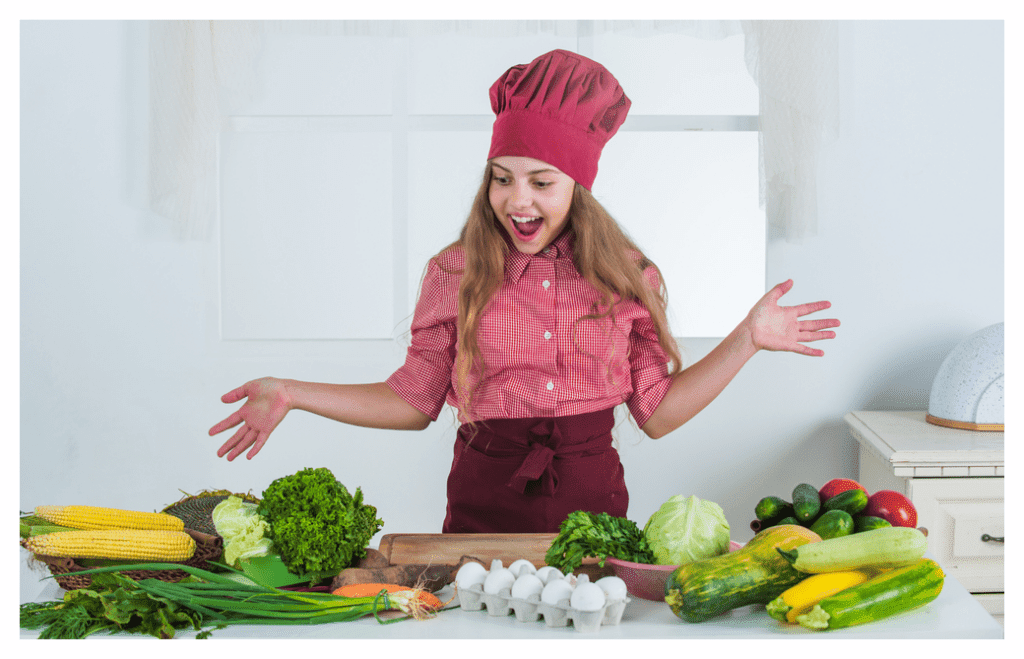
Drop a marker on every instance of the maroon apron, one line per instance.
(527, 475)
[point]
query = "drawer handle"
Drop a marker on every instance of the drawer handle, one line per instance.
(987, 538)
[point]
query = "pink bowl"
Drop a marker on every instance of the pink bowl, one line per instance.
(647, 581)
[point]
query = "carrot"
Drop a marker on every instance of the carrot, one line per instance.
(427, 577)
(426, 600)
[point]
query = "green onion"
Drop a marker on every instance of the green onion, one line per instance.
(224, 601)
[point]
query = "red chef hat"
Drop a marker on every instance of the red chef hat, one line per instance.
(560, 108)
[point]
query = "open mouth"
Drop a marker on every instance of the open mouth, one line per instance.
(526, 227)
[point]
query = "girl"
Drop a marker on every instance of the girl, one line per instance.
(535, 324)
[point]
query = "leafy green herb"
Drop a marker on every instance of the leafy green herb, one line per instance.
(111, 603)
(316, 525)
(600, 535)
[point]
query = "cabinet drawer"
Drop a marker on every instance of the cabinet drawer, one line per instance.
(957, 512)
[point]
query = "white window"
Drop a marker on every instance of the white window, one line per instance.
(362, 154)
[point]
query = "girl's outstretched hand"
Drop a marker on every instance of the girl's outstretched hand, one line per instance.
(774, 327)
(265, 406)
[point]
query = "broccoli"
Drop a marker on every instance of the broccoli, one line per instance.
(316, 525)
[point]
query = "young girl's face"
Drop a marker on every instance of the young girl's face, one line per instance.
(531, 200)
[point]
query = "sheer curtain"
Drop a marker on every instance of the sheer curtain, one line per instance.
(199, 70)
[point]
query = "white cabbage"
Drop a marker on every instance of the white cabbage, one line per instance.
(687, 529)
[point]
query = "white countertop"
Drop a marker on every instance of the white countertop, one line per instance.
(955, 614)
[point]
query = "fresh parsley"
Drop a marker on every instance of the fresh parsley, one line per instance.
(599, 535)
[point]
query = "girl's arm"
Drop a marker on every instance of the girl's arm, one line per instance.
(268, 400)
(768, 326)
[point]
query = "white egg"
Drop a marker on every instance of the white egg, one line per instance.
(470, 574)
(587, 597)
(526, 585)
(547, 573)
(498, 580)
(556, 591)
(521, 567)
(614, 588)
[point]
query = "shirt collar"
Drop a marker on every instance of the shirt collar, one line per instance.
(516, 261)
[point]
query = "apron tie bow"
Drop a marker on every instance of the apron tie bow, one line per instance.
(538, 463)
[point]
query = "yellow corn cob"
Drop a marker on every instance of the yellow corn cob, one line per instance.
(120, 544)
(801, 597)
(93, 517)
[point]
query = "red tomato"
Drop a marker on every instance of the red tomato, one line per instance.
(893, 507)
(838, 486)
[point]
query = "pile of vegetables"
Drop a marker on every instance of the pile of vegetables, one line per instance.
(858, 578)
(841, 507)
(149, 606)
(307, 521)
(682, 530)
(802, 579)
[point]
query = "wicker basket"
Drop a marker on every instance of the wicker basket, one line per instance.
(208, 548)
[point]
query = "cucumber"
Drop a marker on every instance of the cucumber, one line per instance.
(851, 501)
(833, 524)
(806, 503)
(889, 547)
(772, 508)
(887, 594)
(787, 520)
(863, 523)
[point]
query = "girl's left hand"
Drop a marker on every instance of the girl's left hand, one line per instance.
(774, 327)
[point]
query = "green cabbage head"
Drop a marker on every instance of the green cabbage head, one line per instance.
(687, 529)
(243, 530)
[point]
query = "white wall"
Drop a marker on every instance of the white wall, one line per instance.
(122, 368)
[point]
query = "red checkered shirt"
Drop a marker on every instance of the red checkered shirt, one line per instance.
(537, 363)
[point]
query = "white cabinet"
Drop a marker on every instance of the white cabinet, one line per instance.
(954, 478)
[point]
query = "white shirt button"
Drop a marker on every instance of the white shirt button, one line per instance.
(551, 385)
(547, 335)
(545, 283)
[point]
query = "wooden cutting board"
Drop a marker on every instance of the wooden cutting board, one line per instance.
(448, 548)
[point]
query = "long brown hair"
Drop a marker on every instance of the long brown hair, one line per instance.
(603, 254)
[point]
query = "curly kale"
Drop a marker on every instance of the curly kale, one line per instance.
(600, 535)
(316, 525)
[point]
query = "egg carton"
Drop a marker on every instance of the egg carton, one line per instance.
(473, 598)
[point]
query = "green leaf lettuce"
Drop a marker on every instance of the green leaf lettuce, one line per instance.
(316, 525)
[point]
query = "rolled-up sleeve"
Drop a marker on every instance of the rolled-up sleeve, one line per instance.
(425, 379)
(648, 364)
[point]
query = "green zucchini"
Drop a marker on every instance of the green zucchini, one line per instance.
(772, 508)
(754, 574)
(863, 523)
(806, 503)
(889, 547)
(851, 501)
(833, 524)
(889, 593)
